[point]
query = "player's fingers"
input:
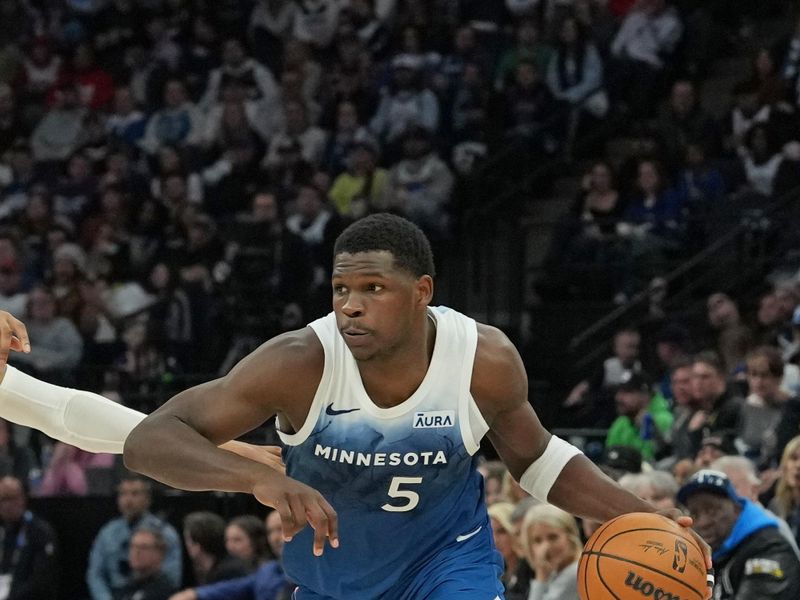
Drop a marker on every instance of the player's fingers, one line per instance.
(319, 521)
(299, 512)
(287, 519)
(710, 581)
(333, 522)
(21, 336)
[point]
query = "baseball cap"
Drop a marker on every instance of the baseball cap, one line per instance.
(708, 480)
(720, 441)
(634, 382)
(622, 458)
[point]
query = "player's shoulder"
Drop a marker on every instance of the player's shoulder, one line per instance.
(281, 363)
(498, 372)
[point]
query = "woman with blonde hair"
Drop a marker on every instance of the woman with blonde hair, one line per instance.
(786, 503)
(552, 546)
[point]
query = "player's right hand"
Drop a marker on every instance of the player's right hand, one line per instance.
(13, 336)
(300, 505)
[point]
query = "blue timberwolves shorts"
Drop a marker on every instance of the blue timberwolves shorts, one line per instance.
(460, 572)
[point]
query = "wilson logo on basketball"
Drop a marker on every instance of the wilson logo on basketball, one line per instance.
(647, 589)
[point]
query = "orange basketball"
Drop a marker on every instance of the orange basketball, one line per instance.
(642, 555)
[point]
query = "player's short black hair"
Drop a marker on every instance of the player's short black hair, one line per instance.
(384, 231)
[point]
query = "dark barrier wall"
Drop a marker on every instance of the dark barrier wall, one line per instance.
(77, 521)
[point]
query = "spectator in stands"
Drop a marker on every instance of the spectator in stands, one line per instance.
(56, 345)
(765, 78)
(659, 488)
(713, 447)
(684, 121)
(297, 130)
(316, 21)
(762, 408)
(360, 190)
(643, 420)
(270, 24)
(347, 131)
(733, 337)
(761, 160)
(61, 130)
(716, 408)
(786, 503)
(575, 74)
(681, 374)
(700, 188)
(751, 557)
(109, 570)
(267, 583)
(529, 110)
(407, 103)
(506, 543)
(41, 68)
(552, 547)
(648, 36)
(126, 123)
(597, 391)
(29, 562)
(246, 539)
(176, 123)
(742, 475)
(617, 461)
(528, 47)
(204, 537)
(146, 558)
(653, 214)
(258, 82)
(420, 185)
(95, 84)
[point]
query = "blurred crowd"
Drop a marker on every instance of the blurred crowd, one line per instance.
(173, 174)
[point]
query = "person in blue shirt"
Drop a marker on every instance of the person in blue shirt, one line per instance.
(109, 570)
(269, 582)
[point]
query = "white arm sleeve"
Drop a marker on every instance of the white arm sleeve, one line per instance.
(543, 472)
(78, 418)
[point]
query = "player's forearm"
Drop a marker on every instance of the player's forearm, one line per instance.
(583, 490)
(167, 449)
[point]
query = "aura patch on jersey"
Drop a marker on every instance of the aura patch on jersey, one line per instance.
(432, 419)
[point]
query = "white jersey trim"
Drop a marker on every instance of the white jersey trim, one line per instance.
(473, 425)
(295, 439)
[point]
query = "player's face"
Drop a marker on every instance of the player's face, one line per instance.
(237, 543)
(714, 516)
(376, 303)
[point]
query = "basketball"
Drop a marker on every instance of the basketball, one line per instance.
(642, 555)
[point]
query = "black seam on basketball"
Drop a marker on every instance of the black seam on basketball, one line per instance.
(644, 566)
(596, 534)
(603, 581)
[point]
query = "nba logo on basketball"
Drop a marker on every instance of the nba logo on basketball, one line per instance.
(434, 418)
(647, 589)
(679, 560)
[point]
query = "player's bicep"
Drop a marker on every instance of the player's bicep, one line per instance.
(254, 391)
(500, 388)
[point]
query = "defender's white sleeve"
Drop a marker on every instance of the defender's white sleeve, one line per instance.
(78, 418)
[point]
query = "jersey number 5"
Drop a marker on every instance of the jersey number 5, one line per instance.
(411, 498)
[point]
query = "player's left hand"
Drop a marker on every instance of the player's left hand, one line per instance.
(266, 455)
(686, 521)
(13, 336)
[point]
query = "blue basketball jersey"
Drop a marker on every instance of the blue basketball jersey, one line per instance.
(403, 480)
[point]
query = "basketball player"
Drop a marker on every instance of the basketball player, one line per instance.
(382, 405)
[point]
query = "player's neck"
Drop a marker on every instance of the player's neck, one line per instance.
(391, 380)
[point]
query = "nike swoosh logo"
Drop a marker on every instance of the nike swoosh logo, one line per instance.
(333, 412)
(466, 536)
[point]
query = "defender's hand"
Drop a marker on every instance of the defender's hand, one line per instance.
(266, 455)
(300, 505)
(13, 336)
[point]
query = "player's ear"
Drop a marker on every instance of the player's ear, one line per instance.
(424, 290)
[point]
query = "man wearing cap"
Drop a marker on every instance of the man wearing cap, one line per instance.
(752, 559)
(644, 418)
(713, 447)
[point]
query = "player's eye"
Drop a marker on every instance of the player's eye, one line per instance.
(339, 289)
(374, 287)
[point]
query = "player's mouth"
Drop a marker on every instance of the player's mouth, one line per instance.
(352, 332)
